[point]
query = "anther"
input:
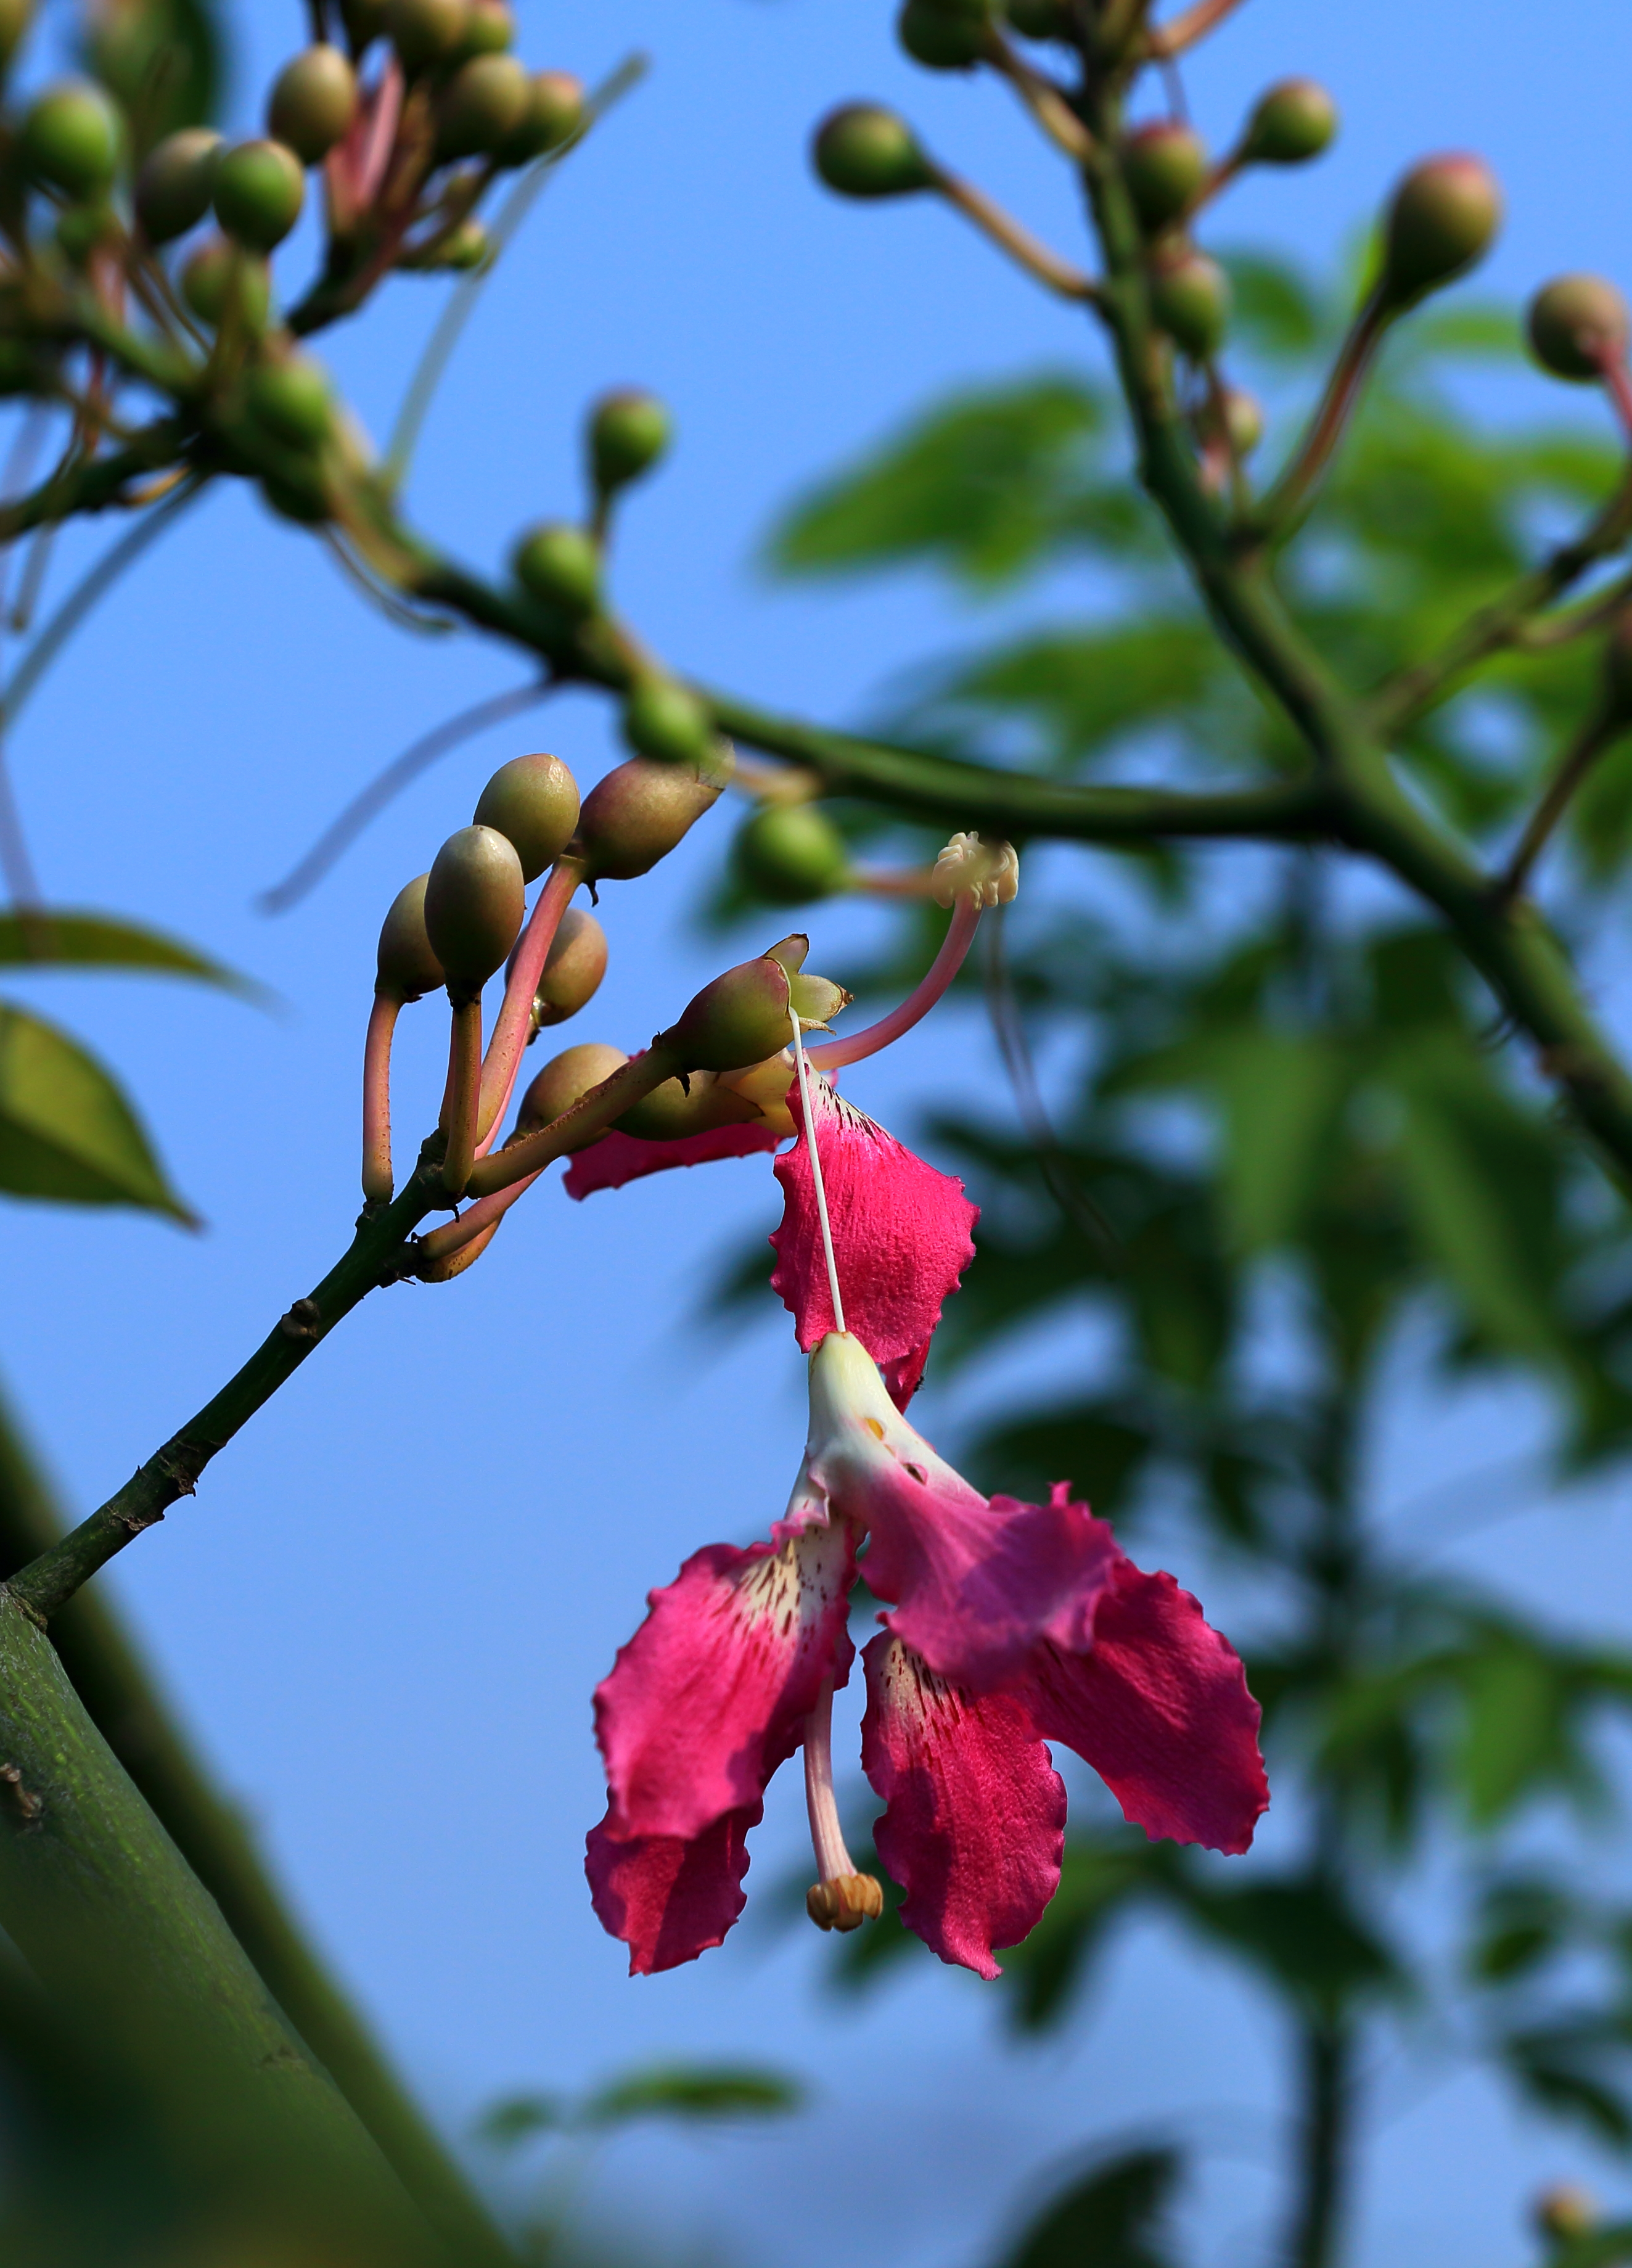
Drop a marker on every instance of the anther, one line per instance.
(846, 1902)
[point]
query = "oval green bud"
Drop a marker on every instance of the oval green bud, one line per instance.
(639, 812)
(313, 101)
(176, 183)
(554, 114)
(628, 430)
(1164, 164)
(1577, 323)
(294, 398)
(939, 38)
(788, 853)
(740, 1018)
(1440, 220)
(475, 901)
(560, 565)
(566, 1079)
(1292, 121)
(71, 138)
(865, 151)
(1190, 299)
(407, 967)
(218, 269)
(573, 969)
(260, 190)
(673, 1111)
(424, 32)
(489, 28)
(534, 803)
(482, 104)
(661, 720)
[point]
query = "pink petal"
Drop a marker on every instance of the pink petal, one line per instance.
(709, 1695)
(1159, 1707)
(900, 1236)
(668, 1899)
(974, 1585)
(618, 1158)
(975, 1818)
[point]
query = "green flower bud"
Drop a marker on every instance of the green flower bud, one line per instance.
(554, 114)
(628, 430)
(1292, 121)
(1190, 299)
(565, 1079)
(466, 248)
(675, 1110)
(489, 28)
(71, 138)
(1164, 164)
(661, 720)
(407, 967)
(746, 1014)
(533, 802)
(364, 21)
(639, 812)
(560, 565)
(1041, 20)
(260, 190)
(482, 104)
(218, 269)
(176, 183)
(424, 32)
(1237, 417)
(293, 397)
(313, 101)
(576, 963)
(1575, 324)
(1567, 2213)
(15, 16)
(1441, 220)
(863, 150)
(789, 853)
(475, 900)
(940, 37)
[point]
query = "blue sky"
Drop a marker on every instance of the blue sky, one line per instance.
(385, 1613)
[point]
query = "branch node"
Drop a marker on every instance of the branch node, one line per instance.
(304, 1320)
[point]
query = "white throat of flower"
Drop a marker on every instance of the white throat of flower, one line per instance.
(803, 1071)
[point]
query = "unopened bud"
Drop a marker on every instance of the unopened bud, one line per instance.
(71, 138)
(943, 36)
(1190, 299)
(576, 963)
(628, 430)
(1165, 165)
(534, 803)
(561, 565)
(482, 105)
(1441, 219)
(661, 720)
(1576, 325)
(1233, 417)
(639, 812)
(742, 1017)
(986, 873)
(260, 190)
(1566, 2211)
(696, 1105)
(464, 248)
(489, 28)
(293, 397)
(407, 967)
(566, 1079)
(218, 273)
(554, 114)
(424, 32)
(789, 853)
(865, 151)
(845, 1902)
(314, 100)
(1293, 121)
(475, 900)
(176, 183)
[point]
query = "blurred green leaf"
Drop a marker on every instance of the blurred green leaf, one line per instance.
(66, 1130)
(49, 938)
(164, 61)
(697, 2092)
(516, 2118)
(1111, 2217)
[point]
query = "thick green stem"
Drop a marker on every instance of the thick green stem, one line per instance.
(123, 1702)
(1325, 2051)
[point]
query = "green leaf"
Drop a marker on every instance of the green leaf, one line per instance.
(693, 2091)
(66, 1130)
(49, 937)
(516, 2118)
(1111, 2217)
(1282, 1094)
(1278, 313)
(1514, 1734)
(1304, 1935)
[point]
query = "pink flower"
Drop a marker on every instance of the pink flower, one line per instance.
(1009, 1625)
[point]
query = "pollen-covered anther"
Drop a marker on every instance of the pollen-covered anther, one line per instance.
(845, 1902)
(983, 874)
